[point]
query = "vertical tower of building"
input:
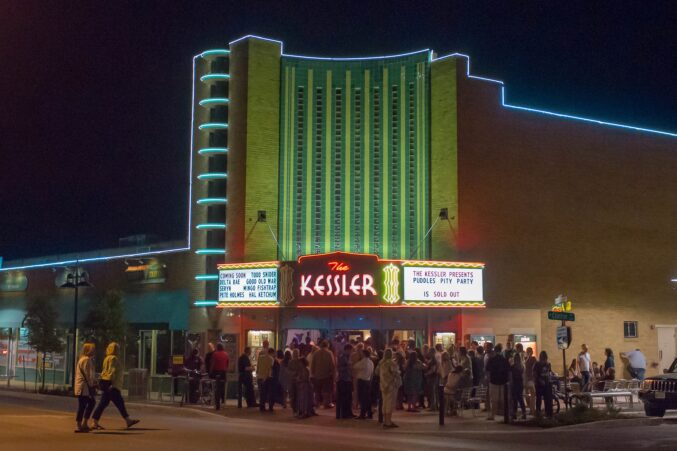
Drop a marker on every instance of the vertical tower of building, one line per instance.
(211, 77)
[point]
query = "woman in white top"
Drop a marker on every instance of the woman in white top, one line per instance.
(85, 387)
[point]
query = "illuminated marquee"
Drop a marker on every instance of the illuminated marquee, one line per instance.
(248, 284)
(450, 283)
(344, 280)
(337, 278)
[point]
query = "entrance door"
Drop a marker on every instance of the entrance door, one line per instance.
(146, 350)
(666, 347)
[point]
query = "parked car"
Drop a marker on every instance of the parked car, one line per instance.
(659, 393)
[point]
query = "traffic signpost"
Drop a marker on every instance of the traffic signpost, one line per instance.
(561, 316)
(563, 337)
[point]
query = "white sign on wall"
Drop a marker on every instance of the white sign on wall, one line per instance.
(242, 285)
(435, 284)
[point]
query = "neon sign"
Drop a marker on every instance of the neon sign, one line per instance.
(336, 282)
(337, 278)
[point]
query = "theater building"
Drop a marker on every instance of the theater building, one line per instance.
(405, 196)
(412, 157)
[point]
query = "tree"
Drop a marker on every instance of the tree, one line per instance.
(105, 321)
(43, 336)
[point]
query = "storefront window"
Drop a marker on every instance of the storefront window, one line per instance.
(446, 339)
(255, 339)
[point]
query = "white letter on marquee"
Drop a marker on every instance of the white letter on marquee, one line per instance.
(319, 288)
(305, 280)
(368, 285)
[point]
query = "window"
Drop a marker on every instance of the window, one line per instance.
(630, 329)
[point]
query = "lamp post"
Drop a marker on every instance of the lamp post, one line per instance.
(75, 281)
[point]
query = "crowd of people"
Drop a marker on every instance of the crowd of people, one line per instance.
(353, 376)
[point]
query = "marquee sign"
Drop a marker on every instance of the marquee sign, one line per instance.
(248, 284)
(445, 282)
(339, 278)
(344, 279)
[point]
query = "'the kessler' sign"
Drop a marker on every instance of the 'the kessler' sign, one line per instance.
(338, 278)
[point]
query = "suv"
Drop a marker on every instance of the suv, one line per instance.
(659, 393)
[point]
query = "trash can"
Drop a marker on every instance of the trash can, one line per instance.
(137, 389)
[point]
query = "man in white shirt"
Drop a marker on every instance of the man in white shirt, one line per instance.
(584, 365)
(363, 370)
(636, 363)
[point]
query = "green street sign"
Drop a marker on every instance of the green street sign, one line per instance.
(561, 316)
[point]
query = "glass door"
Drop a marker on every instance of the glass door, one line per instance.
(147, 350)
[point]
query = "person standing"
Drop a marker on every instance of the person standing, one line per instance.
(389, 383)
(208, 357)
(529, 385)
(294, 369)
(285, 375)
(112, 374)
(413, 381)
(584, 365)
(264, 372)
(322, 369)
(609, 368)
(85, 387)
(543, 384)
(364, 371)
(344, 385)
(246, 380)
(517, 386)
(636, 363)
(464, 360)
(273, 382)
(219, 362)
(499, 372)
(432, 379)
(304, 391)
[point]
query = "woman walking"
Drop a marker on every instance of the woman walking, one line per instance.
(389, 382)
(112, 374)
(85, 387)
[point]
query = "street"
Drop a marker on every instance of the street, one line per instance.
(33, 424)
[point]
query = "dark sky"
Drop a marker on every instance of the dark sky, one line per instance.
(95, 96)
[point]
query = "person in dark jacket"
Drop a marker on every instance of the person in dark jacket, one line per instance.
(517, 386)
(542, 380)
(246, 380)
(344, 385)
(499, 374)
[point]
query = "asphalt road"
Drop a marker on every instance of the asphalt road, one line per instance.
(39, 425)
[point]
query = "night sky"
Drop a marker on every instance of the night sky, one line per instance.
(95, 96)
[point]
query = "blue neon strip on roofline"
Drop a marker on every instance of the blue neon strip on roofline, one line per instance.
(94, 259)
(215, 52)
(207, 277)
(552, 113)
(212, 200)
(212, 150)
(214, 101)
(210, 226)
(214, 126)
(213, 176)
(214, 77)
(210, 252)
(205, 303)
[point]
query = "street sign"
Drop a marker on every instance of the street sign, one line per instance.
(561, 316)
(563, 337)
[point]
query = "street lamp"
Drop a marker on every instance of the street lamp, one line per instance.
(75, 281)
